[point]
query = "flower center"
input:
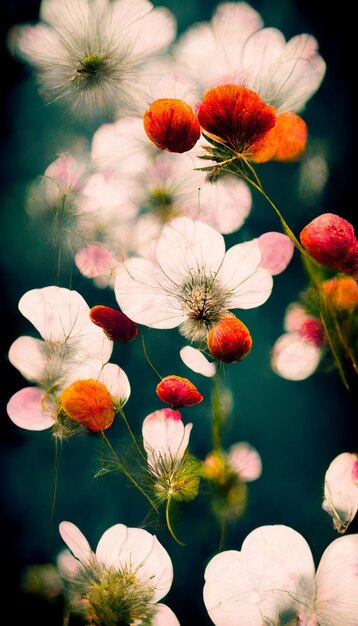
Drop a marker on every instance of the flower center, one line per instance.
(160, 203)
(204, 302)
(91, 64)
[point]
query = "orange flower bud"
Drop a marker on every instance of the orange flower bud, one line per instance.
(229, 340)
(331, 241)
(178, 391)
(286, 141)
(116, 325)
(237, 116)
(89, 403)
(342, 292)
(171, 125)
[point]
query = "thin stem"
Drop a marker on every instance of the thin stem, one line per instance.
(122, 414)
(125, 472)
(216, 411)
(169, 524)
(55, 481)
(148, 359)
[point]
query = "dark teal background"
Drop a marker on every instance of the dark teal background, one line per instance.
(298, 428)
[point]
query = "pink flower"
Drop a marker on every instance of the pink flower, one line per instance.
(341, 490)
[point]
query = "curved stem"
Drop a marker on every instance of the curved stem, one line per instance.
(216, 411)
(122, 414)
(55, 480)
(148, 359)
(167, 518)
(125, 472)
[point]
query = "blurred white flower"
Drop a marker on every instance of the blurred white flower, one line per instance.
(196, 361)
(341, 490)
(92, 52)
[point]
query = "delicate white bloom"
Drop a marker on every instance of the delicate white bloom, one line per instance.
(194, 282)
(96, 261)
(245, 461)
(93, 52)
(273, 579)
(130, 565)
(165, 438)
(197, 362)
(297, 354)
(234, 48)
(164, 616)
(341, 490)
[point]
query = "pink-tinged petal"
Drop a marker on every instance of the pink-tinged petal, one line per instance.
(337, 583)
(241, 273)
(62, 315)
(146, 558)
(76, 541)
(233, 24)
(67, 565)
(294, 358)
(225, 205)
(196, 361)
(66, 171)
(25, 409)
(26, 354)
(245, 460)
(277, 251)
(164, 435)
(341, 491)
(164, 616)
(110, 545)
(186, 246)
(295, 317)
(122, 146)
(95, 260)
(116, 381)
(273, 572)
(259, 52)
(143, 293)
(156, 31)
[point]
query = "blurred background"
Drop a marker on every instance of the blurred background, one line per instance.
(298, 428)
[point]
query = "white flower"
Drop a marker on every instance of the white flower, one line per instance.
(341, 490)
(197, 362)
(165, 438)
(297, 354)
(245, 461)
(272, 581)
(194, 282)
(130, 566)
(234, 48)
(92, 52)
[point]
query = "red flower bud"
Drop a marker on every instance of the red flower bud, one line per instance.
(331, 241)
(237, 116)
(171, 125)
(312, 329)
(341, 293)
(229, 340)
(116, 325)
(178, 391)
(89, 403)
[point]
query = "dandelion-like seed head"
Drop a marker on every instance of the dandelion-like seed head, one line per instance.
(115, 597)
(204, 301)
(161, 204)
(173, 478)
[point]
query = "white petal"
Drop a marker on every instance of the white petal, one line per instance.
(337, 583)
(122, 146)
(225, 205)
(76, 541)
(25, 409)
(95, 260)
(146, 558)
(67, 565)
(245, 460)
(197, 362)
(64, 14)
(142, 292)
(186, 247)
(116, 381)
(164, 616)
(259, 52)
(295, 317)
(164, 436)
(340, 490)
(235, 21)
(110, 545)
(155, 32)
(27, 356)
(62, 315)
(294, 358)
(277, 251)
(66, 171)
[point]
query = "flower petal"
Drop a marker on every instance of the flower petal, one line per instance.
(341, 491)
(245, 460)
(25, 409)
(143, 294)
(196, 361)
(164, 616)
(76, 541)
(337, 583)
(116, 381)
(27, 356)
(225, 205)
(294, 358)
(277, 250)
(186, 246)
(164, 435)
(110, 545)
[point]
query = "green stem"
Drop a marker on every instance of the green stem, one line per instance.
(216, 424)
(125, 472)
(148, 359)
(167, 517)
(122, 414)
